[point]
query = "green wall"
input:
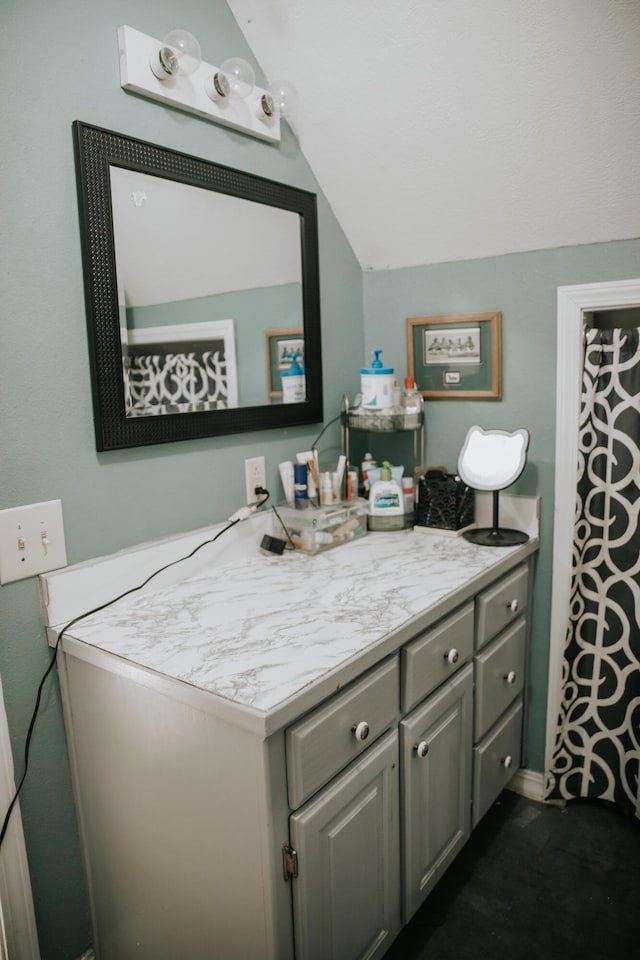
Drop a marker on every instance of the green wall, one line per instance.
(523, 287)
(67, 69)
(253, 313)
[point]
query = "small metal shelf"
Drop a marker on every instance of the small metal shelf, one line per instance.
(384, 422)
(371, 422)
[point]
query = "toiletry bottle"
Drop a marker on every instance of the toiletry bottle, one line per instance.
(376, 385)
(286, 476)
(411, 403)
(367, 464)
(293, 382)
(300, 489)
(386, 502)
(408, 492)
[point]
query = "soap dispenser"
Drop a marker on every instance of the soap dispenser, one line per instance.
(386, 502)
(377, 384)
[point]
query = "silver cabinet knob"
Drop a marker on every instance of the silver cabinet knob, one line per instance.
(506, 763)
(421, 749)
(513, 606)
(452, 656)
(511, 676)
(360, 730)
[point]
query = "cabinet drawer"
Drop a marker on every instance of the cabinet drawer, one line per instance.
(435, 656)
(328, 739)
(496, 759)
(499, 676)
(499, 605)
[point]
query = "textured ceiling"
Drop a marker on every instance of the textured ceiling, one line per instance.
(453, 129)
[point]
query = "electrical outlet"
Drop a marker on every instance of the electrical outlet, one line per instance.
(255, 475)
(31, 540)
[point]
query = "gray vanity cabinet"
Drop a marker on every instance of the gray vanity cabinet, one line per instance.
(501, 649)
(346, 901)
(345, 830)
(435, 747)
(209, 830)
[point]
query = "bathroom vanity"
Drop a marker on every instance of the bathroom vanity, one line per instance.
(278, 757)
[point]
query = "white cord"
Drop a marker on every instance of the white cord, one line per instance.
(243, 513)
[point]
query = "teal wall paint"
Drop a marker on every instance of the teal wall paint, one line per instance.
(253, 313)
(523, 286)
(69, 71)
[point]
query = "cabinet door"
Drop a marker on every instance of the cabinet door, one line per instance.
(346, 898)
(436, 756)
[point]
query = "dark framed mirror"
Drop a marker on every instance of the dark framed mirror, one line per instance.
(202, 294)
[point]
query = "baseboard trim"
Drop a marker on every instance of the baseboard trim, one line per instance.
(528, 783)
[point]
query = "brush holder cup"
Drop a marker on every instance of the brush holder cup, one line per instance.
(445, 503)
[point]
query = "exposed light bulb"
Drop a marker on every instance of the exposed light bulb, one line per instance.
(285, 97)
(241, 77)
(179, 54)
(234, 80)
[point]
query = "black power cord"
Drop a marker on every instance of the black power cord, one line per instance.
(326, 427)
(245, 512)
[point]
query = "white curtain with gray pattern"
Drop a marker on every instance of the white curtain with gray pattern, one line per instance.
(597, 749)
(175, 383)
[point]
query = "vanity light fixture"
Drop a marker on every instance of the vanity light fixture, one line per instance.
(172, 72)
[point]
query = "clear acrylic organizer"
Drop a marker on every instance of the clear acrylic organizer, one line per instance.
(316, 529)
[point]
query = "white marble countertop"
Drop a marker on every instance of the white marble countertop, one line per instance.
(259, 630)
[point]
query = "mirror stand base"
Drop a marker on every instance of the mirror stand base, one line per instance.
(495, 537)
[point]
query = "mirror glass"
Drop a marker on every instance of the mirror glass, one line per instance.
(492, 459)
(202, 294)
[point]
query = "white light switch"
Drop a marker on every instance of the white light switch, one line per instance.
(31, 540)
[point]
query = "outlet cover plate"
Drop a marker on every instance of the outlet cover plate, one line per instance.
(255, 475)
(31, 540)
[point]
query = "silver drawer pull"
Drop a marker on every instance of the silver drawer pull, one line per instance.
(421, 749)
(360, 730)
(506, 763)
(510, 677)
(452, 656)
(513, 606)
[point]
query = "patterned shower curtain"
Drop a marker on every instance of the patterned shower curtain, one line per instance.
(597, 749)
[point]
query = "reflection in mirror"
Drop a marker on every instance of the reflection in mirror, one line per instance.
(189, 266)
(182, 368)
(220, 271)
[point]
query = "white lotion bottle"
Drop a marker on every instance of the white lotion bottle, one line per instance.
(294, 388)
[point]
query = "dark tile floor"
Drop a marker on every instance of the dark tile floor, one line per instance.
(535, 882)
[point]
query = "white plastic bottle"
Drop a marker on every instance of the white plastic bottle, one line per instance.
(294, 388)
(386, 502)
(411, 403)
(376, 384)
(367, 464)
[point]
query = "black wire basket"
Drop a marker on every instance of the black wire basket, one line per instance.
(444, 502)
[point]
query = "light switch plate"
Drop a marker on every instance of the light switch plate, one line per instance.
(31, 540)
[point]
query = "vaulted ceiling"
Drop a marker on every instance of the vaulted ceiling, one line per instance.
(454, 129)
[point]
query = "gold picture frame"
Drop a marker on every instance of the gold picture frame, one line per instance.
(277, 342)
(456, 356)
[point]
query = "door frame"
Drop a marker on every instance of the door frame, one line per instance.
(573, 302)
(18, 935)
